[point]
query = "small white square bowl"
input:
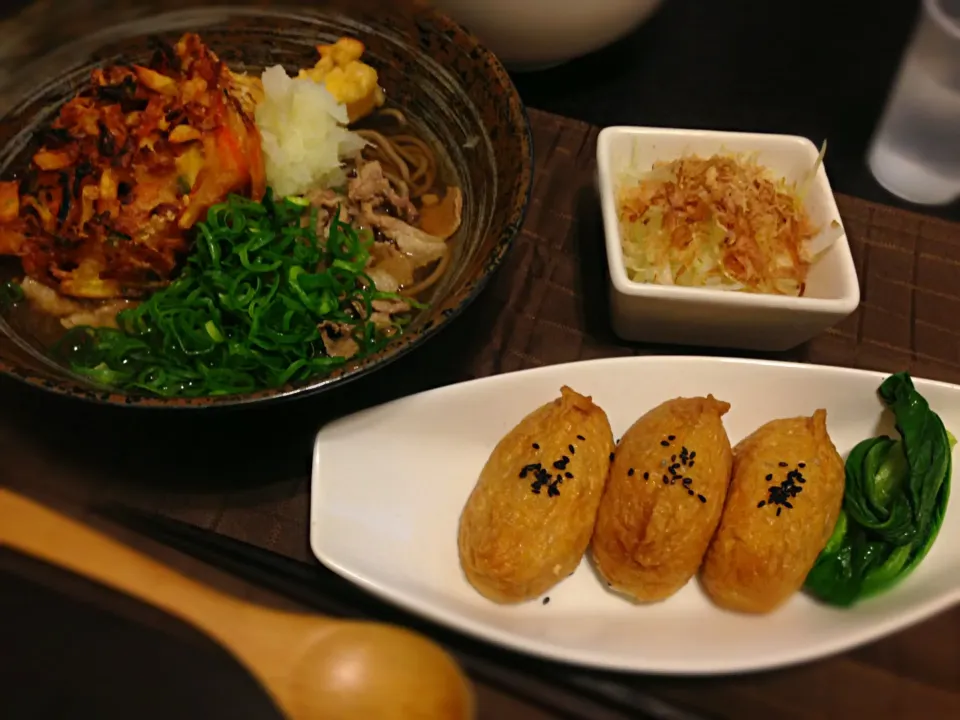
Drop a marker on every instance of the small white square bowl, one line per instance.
(647, 312)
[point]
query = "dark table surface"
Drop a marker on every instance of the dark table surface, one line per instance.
(77, 649)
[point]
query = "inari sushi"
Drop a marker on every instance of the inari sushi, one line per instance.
(528, 521)
(784, 500)
(663, 499)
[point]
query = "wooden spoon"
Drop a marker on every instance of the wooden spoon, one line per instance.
(312, 666)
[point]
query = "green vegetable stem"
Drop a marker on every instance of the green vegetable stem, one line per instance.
(247, 310)
(894, 503)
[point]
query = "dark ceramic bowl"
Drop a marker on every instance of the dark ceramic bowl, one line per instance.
(435, 71)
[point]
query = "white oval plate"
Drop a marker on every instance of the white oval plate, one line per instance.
(389, 484)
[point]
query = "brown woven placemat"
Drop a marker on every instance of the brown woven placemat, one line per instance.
(246, 473)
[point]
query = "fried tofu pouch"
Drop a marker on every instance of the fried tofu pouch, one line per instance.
(529, 518)
(784, 499)
(663, 499)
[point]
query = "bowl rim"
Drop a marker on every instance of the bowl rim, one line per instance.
(846, 301)
(519, 120)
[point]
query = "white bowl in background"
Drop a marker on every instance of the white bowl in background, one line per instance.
(535, 34)
(647, 312)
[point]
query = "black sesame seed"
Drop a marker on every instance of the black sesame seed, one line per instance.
(543, 478)
(546, 600)
(690, 464)
(690, 493)
(569, 475)
(761, 503)
(664, 443)
(666, 480)
(693, 455)
(536, 446)
(701, 498)
(630, 472)
(673, 458)
(581, 437)
(671, 437)
(802, 465)
(769, 477)
(611, 457)
(571, 449)
(782, 464)
(687, 481)
(646, 476)
(782, 494)
(553, 491)
(532, 467)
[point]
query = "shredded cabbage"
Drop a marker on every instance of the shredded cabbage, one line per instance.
(723, 223)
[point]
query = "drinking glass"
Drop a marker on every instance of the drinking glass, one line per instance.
(915, 152)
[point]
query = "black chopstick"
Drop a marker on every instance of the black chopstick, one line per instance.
(564, 690)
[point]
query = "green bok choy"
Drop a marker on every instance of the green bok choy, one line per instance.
(894, 503)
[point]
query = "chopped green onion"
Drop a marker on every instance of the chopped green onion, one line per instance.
(246, 311)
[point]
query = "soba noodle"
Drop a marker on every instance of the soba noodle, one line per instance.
(410, 165)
